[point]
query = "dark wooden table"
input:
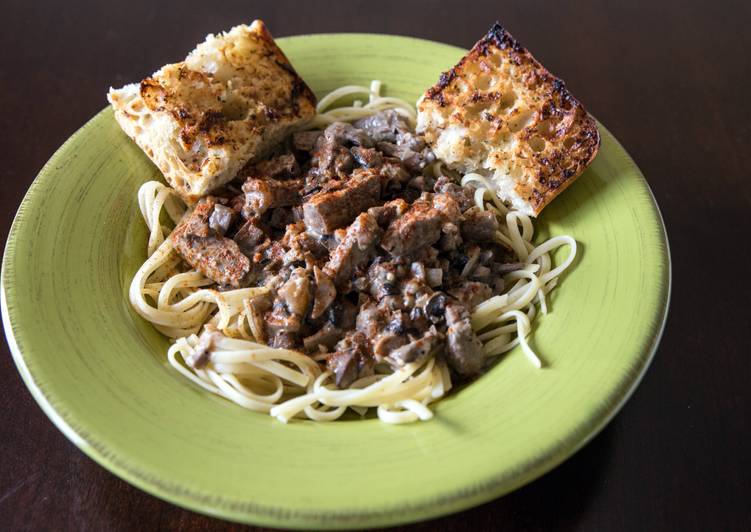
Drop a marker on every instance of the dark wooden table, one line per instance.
(672, 80)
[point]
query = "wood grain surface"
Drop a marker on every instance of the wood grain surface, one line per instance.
(669, 79)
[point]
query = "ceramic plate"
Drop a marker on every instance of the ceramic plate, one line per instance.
(100, 373)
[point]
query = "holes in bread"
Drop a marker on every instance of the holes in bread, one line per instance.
(537, 144)
(234, 108)
(545, 128)
(508, 98)
(519, 119)
(497, 59)
(568, 142)
(483, 82)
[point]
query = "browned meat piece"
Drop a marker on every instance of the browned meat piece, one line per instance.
(326, 337)
(464, 196)
(331, 156)
(373, 319)
(422, 183)
(389, 211)
(269, 255)
(342, 314)
(384, 280)
(216, 257)
(258, 306)
(282, 327)
(305, 140)
(221, 219)
(386, 343)
(237, 202)
(249, 236)
(383, 126)
(480, 226)
(451, 237)
(410, 150)
(264, 194)
(471, 293)
(336, 163)
(446, 205)
(282, 167)
(341, 133)
(367, 157)
(393, 175)
(393, 137)
(351, 361)
(325, 293)
(296, 292)
(416, 350)
(353, 250)
(463, 348)
(326, 212)
(420, 226)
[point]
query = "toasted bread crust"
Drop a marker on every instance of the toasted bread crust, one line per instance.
(201, 120)
(507, 114)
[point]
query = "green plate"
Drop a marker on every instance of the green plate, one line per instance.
(100, 372)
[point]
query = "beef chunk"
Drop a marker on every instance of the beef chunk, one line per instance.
(284, 340)
(324, 295)
(282, 326)
(351, 360)
(264, 194)
(393, 137)
(410, 150)
(393, 175)
(388, 342)
(342, 133)
(216, 257)
(451, 237)
(281, 167)
(326, 337)
(420, 226)
(296, 292)
(305, 140)
(446, 205)
(331, 156)
(249, 236)
(471, 293)
(416, 350)
(463, 348)
(464, 196)
(389, 211)
(354, 249)
(383, 126)
(325, 212)
(374, 318)
(221, 219)
(342, 314)
(422, 183)
(367, 157)
(480, 226)
(384, 280)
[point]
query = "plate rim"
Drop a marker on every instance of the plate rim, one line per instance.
(453, 500)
